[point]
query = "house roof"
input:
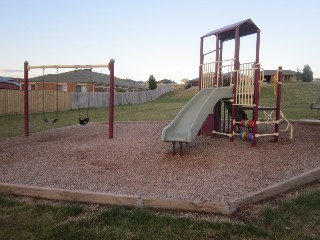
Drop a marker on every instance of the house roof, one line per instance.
(266, 73)
(284, 72)
(83, 76)
(246, 27)
(9, 80)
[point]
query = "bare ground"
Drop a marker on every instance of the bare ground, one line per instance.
(137, 162)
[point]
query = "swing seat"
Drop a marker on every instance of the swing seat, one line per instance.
(46, 120)
(83, 121)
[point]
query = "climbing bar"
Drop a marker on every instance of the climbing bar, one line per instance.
(268, 116)
(288, 126)
(267, 134)
(267, 122)
(209, 52)
(225, 134)
(245, 123)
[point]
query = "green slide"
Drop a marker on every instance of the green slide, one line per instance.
(186, 125)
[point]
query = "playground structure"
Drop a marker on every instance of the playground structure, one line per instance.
(82, 119)
(257, 175)
(315, 105)
(231, 84)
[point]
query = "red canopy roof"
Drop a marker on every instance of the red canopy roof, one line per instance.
(247, 27)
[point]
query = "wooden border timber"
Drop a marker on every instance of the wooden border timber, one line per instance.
(168, 204)
(275, 189)
(68, 195)
(185, 205)
(113, 199)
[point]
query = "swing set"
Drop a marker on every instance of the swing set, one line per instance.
(44, 117)
(83, 118)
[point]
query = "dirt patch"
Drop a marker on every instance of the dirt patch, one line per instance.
(136, 162)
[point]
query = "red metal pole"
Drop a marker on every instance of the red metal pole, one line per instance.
(220, 54)
(256, 91)
(217, 60)
(201, 62)
(256, 102)
(111, 100)
(276, 127)
(26, 100)
(217, 107)
(220, 59)
(258, 47)
(235, 76)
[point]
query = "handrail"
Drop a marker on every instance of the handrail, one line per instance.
(208, 76)
(245, 85)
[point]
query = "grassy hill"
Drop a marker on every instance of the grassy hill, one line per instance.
(295, 99)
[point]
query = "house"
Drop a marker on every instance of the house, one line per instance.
(142, 83)
(287, 75)
(9, 83)
(165, 81)
(184, 81)
(191, 83)
(83, 80)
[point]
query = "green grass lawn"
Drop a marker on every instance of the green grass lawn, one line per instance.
(164, 108)
(297, 218)
(296, 98)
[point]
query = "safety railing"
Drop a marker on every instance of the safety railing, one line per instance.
(245, 84)
(223, 77)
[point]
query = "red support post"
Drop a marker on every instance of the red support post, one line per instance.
(235, 76)
(111, 100)
(217, 107)
(256, 102)
(279, 84)
(201, 62)
(256, 91)
(26, 100)
(220, 60)
(221, 48)
(217, 60)
(258, 47)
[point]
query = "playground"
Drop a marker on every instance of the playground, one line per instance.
(136, 163)
(231, 154)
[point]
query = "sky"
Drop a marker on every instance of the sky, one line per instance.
(149, 37)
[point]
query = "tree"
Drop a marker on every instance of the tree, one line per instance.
(299, 74)
(152, 83)
(307, 74)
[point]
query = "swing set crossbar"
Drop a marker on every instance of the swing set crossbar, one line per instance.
(70, 66)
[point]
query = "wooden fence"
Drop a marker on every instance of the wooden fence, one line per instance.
(101, 99)
(11, 101)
